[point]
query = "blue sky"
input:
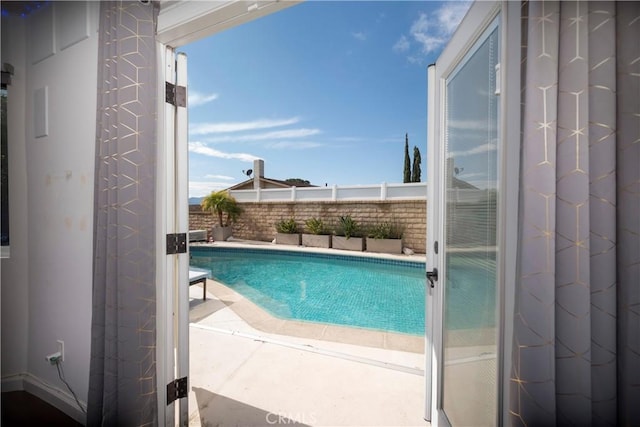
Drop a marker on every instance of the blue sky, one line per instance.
(323, 91)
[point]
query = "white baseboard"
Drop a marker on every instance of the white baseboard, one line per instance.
(13, 382)
(51, 394)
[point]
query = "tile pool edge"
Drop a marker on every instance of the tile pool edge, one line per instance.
(267, 246)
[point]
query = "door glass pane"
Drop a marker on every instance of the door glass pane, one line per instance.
(470, 317)
(4, 169)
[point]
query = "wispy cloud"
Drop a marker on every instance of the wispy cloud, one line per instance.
(226, 127)
(225, 177)
(200, 148)
(468, 124)
(265, 136)
(197, 98)
(484, 148)
(349, 139)
(359, 35)
(297, 145)
(416, 59)
(279, 134)
(366, 140)
(430, 32)
(203, 188)
(450, 14)
(428, 35)
(402, 45)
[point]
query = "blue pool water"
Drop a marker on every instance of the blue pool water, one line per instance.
(354, 291)
(470, 290)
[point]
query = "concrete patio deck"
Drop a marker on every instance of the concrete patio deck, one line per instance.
(250, 369)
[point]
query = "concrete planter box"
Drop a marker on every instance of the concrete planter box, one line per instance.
(350, 244)
(316, 240)
(387, 246)
(221, 234)
(288, 239)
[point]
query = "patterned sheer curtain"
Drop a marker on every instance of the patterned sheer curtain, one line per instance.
(576, 354)
(122, 383)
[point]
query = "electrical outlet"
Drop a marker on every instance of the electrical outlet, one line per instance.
(61, 349)
(53, 358)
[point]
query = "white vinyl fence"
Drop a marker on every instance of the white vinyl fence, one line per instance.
(384, 191)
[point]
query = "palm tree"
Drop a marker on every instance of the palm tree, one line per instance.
(220, 203)
(233, 211)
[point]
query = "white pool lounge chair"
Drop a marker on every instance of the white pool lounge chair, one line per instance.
(199, 276)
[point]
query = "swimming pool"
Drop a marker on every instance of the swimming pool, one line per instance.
(371, 293)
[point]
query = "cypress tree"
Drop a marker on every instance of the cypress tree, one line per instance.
(417, 159)
(407, 160)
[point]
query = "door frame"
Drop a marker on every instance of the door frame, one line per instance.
(508, 207)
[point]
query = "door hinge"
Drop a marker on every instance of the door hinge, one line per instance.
(176, 243)
(176, 389)
(175, 95)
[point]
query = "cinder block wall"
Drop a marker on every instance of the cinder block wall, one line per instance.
(258, 218)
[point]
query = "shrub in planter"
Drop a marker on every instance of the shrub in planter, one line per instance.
(318, 235)
(348, 235)
(287, 232)
(315, 226)
(385, 237)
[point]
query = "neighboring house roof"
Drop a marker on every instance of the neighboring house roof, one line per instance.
(266, 183)
(463, 185)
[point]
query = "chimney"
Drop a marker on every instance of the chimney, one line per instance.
(258, 172)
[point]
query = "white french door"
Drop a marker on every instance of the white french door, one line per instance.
(173, 295)
(180, 23)
(463, 345)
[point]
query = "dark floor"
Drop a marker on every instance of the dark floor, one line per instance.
(22, 409)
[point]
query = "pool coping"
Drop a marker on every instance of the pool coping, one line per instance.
(263, 321)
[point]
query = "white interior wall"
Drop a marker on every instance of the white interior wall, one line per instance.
(55, 174)
(46, 285)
